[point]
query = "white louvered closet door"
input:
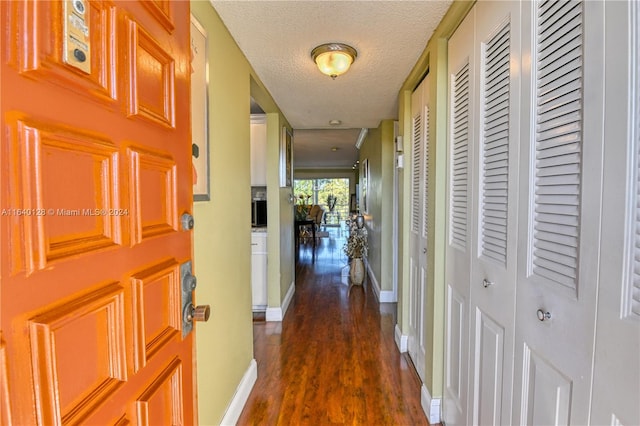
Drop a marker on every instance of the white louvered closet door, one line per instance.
(418, 239)
(617, 367)
(559, 210)
(494, 260)
(461, 139)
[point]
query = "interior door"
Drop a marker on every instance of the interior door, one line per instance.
(559, 210)
(419, 224)
(96, 172)
(494, 241)
(462, 69)
(616, 377)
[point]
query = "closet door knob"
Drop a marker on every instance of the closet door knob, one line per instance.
(543, 315)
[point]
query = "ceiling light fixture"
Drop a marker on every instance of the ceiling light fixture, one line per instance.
(334, 59)
(335, 122)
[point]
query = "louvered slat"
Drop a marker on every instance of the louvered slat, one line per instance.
(415, 173)
(495, 152)
(459, 159)
(558, 153)
(425, 173)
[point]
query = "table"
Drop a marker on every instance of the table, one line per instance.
(305, 222)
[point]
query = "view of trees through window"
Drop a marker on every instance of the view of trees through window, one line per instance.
(332, 194)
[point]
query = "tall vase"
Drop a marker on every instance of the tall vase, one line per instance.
(356, 271)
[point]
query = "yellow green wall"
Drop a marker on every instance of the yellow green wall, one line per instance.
(378, 150)
(222, 238)
(280, 254)
(434, 58)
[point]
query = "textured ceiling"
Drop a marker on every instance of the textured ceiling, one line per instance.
(314, 148)
(277, 38)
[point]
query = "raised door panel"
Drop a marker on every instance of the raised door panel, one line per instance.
(66, 194)
(547, 392)
(156, 286)
(455, 380)
(162, 401)
(47, 55)
(488, 371)
(151, 77)
(412, 341)
(5, 408)
(152, 193)
(161, 11)
(69, 387)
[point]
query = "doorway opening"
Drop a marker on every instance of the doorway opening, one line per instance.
(332, 194)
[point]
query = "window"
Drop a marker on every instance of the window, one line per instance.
(332, 194)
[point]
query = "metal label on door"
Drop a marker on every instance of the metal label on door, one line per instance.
(77, 45)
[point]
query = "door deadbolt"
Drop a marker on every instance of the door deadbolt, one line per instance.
(187, 222)
(189, 282)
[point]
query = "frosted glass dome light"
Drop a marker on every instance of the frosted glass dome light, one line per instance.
(334, 59)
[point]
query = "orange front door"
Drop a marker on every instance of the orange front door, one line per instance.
(96, 173)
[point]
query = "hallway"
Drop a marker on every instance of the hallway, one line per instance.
(333, 359)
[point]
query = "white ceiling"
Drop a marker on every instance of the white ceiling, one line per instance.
(277, 38)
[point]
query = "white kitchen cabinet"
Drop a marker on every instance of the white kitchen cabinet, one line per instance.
(259, 271)
(258, 150)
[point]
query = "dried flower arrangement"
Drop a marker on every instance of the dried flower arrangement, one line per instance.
(356, 246)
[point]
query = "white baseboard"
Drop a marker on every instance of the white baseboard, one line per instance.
(277, 314)
(239, 399)
(273, 314)
(288, 297)
(402, 340)
(430, 406)
(384, 296)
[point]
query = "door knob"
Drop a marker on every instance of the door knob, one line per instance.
(424, 251)
(197, 313)
(543, 315)
(187, 222)
(486, 283)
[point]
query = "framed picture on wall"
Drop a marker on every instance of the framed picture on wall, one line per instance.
(364, 180)
(199, 112)
(286, 158)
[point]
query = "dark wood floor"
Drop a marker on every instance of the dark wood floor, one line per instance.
(333, 359)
